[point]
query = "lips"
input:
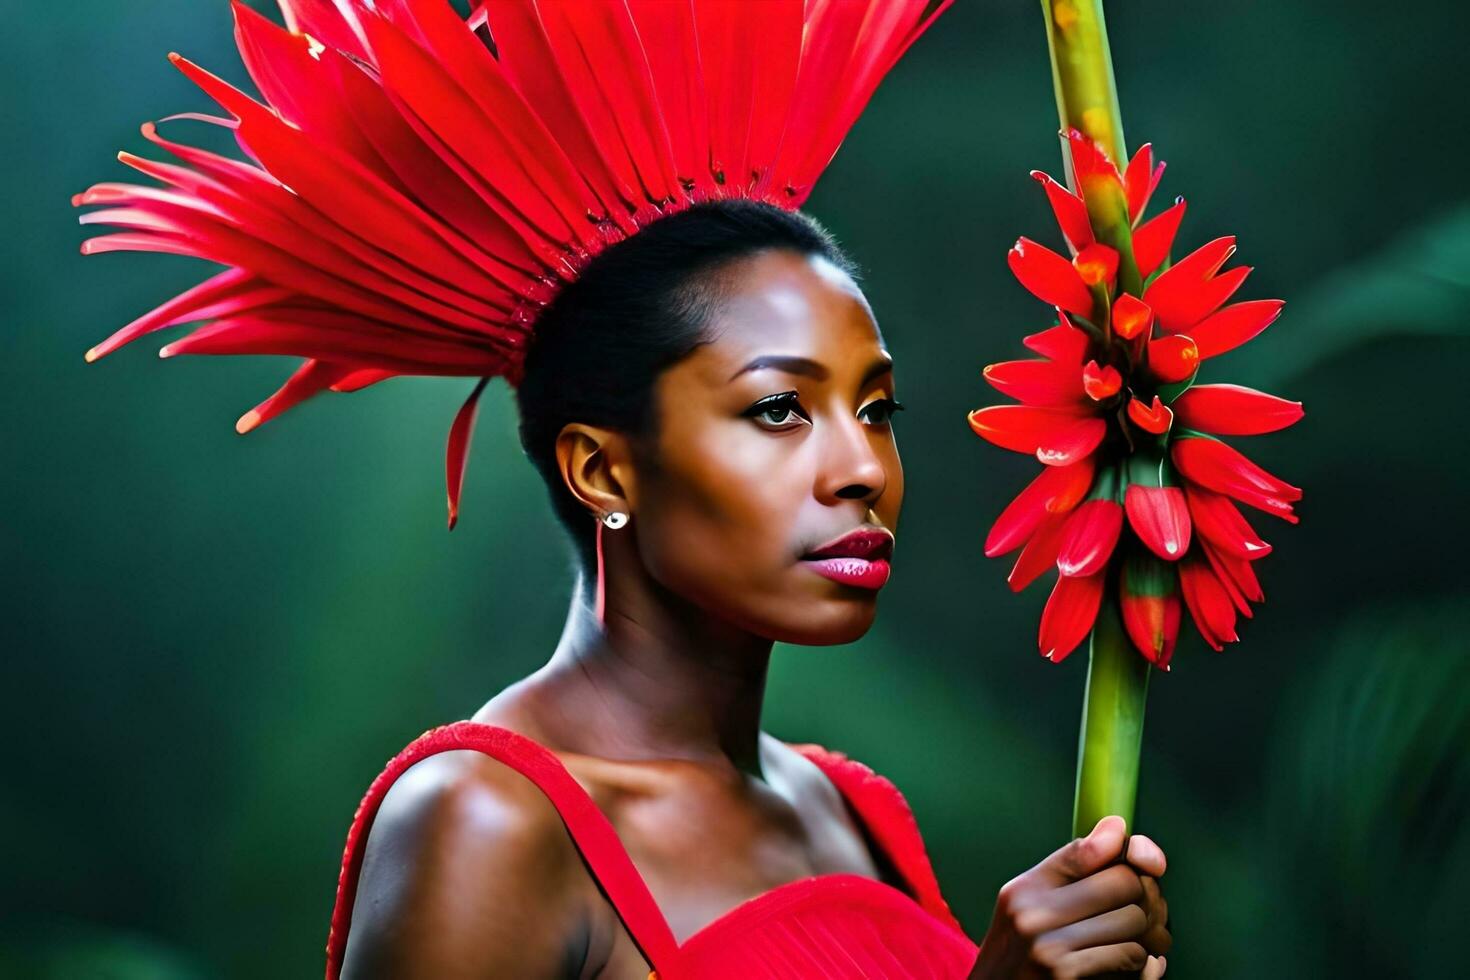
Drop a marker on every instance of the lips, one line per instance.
(864, 542)
(858, 558)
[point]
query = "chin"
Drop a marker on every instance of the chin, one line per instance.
(830, 622)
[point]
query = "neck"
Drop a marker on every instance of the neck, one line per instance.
(658, 679)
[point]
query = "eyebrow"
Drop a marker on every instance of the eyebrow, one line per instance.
(809, 368)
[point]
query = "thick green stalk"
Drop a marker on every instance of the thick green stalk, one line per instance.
(1117, 676)
(1112, 725)
(1087, 100)
(1082, 71)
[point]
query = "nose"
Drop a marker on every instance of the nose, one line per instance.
(851, 469)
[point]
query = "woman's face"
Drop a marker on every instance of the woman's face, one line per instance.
(773, 441)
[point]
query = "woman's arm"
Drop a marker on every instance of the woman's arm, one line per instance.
(1092, 908)
(468, 872)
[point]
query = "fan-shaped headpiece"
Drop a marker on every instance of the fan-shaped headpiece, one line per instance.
(421, 185)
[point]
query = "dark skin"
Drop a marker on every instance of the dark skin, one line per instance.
(655, 710)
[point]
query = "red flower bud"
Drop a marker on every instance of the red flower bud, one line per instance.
(1155, 418)
(1131, 316)
(1172, 359)
(1148, 597)
(1097, 264)
(1100, 382)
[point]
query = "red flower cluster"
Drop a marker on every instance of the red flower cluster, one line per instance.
(1138, 494)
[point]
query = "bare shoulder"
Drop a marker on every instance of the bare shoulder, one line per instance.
(805, 778)
(468, 871)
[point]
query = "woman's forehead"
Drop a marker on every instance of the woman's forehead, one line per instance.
(782, 303)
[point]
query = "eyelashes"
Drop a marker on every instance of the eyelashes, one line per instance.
(783, 411)
(886, 407)
(777, 411)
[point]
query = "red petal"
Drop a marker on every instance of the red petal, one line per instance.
(1069, 614)
(180, 309)
(1100, 383)
(1090, 537)
(341, 188)
(312, 377)
(1189, 290)
(1155, 418)
(1040, 553)
(1238, 577)
(281, 65)
(1070, 211)
(459, 447)
(1056, 436)
(1152, 623)
(1216, 466)
(1222, 525)
(1064, 343)
(1231, 410)
(1149, 601)
(1049, 277)
(829, 98)
(479, 145)
(336, 26)
(358, 380)
(1036, 382)
(1094, 171)
(1237, 598)
(1097, 264)
(1131, 316)
(1172, 359)
(1208, 601)
(1056, 491)
(1160, 518)
(1233, 325)
(1153, 239)
(334, 335)
(1140, 179)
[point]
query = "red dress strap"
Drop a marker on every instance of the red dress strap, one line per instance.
(889, 819)
(589, 828)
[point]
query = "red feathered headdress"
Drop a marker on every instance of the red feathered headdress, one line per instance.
(421, 186)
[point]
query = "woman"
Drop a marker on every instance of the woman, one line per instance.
(747, 457)
(704, 389)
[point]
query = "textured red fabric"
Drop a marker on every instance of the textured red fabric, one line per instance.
(825, 927)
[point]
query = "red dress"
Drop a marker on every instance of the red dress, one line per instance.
(825, 927)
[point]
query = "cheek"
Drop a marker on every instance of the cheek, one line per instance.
(720, 512)
(890, 503)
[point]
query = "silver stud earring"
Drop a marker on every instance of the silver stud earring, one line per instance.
(614, 519)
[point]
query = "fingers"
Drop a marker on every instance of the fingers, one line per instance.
(1111, 888)
(1116, 926)
(1085, 855)
(1156, 939)
(1146, 856)
(1155, 968)
(1119, 957)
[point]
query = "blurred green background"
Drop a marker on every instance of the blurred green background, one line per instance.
(212, 644)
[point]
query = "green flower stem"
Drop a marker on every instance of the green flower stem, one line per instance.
(1087, 99)
(1082, 71)
(1112, 725)
(1117, 676)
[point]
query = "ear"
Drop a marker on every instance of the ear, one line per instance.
(596, 464)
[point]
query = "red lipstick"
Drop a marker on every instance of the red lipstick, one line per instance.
(859, 557)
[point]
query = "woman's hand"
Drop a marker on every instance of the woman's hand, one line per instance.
(1082, 912)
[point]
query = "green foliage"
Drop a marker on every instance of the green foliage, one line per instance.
(1368, 794)
(1416, 287)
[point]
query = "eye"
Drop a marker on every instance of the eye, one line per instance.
(879, 411)
(778, 413)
